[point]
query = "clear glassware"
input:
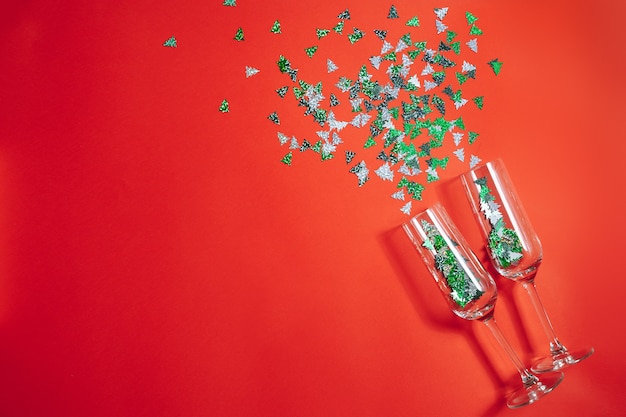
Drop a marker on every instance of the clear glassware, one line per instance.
(470, 291)
(514, 248)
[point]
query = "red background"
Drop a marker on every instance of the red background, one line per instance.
(157, 259)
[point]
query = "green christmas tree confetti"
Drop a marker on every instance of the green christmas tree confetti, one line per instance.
(310, 51)
(276, 27)
(471, 19)
(170, 43)
(231, 3)
(413, 22)
(475, 30)
(224, 107)
(287, 159)
(321, 33)
(471, 137)
(479, 102)
(495, 65)
(239, 36)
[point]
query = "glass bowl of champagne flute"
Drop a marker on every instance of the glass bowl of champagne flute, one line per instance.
(470, 291)
(514, 248)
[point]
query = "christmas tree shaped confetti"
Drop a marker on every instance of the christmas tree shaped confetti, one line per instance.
(170, 43)
(276, 27)
(495, 65)
(231, 3)
(224, 107)
(239, 36)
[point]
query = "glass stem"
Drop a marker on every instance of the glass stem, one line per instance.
(555, 345)
(527, 378)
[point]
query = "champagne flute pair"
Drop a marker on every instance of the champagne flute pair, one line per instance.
(515, 252)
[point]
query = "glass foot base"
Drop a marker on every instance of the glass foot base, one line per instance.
(528, 395)
(561, 360)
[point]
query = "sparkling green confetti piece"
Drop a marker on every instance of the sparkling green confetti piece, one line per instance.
(224, 107)
(461, 78)
(310, 51)
(456, 47)
(274, 118)
(459, 123)
(170, 43)
(231, 3)
(471, 137)
(283, 64)
(479, 102)
(276, 27)
(495, 65)
(421, 45)
(475, 30)
(239, 36)
(439, 104)
(356, 35)
(287, 159)
(413, 22)
(450, 35)
(369, 143)
(471, 19)
(393, 13)
(339, 27)
(322, 33)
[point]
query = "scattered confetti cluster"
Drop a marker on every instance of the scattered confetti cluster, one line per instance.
(504, 243)
(405, 101)
(462, 289)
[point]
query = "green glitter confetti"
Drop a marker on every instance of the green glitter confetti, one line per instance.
(450, 35)
(369, 143)
(461, 78)
(231, 3)
(462, 288)
(339, 27)
(287, 159)
(479, 102)
(413, 22)
(310, 51)
(170, 43)
(471, 19)
(475, 30)
(224, 107)
(322, 33)
(495, 65)
(356, 35)
(471, 137)
(276, 27)
(239, 36)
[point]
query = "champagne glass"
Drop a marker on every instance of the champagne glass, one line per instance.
(514, 248)
(470, 291)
